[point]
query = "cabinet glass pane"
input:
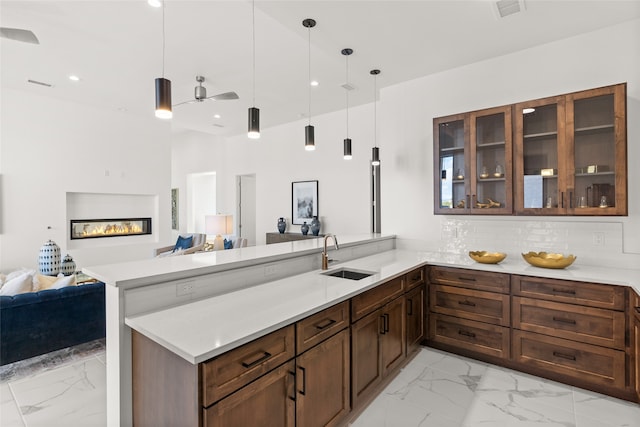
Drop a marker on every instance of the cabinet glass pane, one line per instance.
(540, 157)
(594, 152)
(490, 161)
(452, 166)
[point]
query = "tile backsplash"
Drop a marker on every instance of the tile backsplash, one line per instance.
(597, 243)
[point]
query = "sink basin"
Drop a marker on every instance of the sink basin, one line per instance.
(348, 273)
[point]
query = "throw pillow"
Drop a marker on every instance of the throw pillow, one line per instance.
(64, 281)
(18, 285)
(228, 244)
(183, 243)
(41, 282)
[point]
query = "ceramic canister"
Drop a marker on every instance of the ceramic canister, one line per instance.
(49, 259)
(68, 265)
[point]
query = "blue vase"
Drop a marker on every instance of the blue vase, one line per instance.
(282, 225)
(68, 265)
(315, 226)
(304, 228)
(49, 259)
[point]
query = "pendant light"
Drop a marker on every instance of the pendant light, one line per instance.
(163, 86)
(347, 142)
(309, 137)
(375, 152)
(254, 113)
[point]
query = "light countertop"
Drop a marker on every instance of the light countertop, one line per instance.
(206, 328)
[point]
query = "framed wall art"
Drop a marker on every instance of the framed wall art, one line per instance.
(304, 201)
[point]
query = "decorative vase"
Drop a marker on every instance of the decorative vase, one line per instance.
(315, 226)
(304, 228)
(49, 259)
(68, 265)
(282, 225)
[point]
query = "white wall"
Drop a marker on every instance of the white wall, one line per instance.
(51, 148)
(604, 57)
(278, 158)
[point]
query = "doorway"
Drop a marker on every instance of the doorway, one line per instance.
(201, 200)
(246, 207)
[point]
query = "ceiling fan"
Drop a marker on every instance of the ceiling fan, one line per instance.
(18, 34)
(201, 94)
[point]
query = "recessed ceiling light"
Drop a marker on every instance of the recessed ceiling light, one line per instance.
(154, 3)
(314, 83)
(74, 78)
(216, 116)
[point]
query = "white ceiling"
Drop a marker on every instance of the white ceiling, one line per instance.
(116, 49)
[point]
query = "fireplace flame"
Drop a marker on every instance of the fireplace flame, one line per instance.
(111, 229)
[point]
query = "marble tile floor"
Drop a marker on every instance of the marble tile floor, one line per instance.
(436, 389)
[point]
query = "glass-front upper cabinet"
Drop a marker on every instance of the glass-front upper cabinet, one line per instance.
(473, 157)
(570, 154)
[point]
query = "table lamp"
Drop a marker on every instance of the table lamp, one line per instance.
(218, 225)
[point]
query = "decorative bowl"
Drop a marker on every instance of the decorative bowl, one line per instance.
(548, 260)
(485, 257)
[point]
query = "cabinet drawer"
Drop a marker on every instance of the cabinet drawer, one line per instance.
(470, 304)
(466, 334)
(236, 368)
(315, 329)
(482, 280)
(372, 299)
(585, 324)
(415, 278)
(581, 293)
(586, 362)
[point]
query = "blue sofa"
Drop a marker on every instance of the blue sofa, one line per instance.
(36, 323)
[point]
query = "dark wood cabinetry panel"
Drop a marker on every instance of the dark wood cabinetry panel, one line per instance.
(366, 370)
(470, 304)
(314, 329)
(635, 336)
(370, 300)
(472, 279)
(393, 337)
(469, 335)
(415, 278)
(236, 368)
(416, 318)
(266, 402)
(323, 383)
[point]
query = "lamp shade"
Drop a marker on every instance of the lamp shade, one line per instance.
(218, 224)
(254, 123)
(347, 149)
(375, 156)
(309, 138)
(163, 98)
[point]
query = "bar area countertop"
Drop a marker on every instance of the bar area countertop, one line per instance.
(206, 328)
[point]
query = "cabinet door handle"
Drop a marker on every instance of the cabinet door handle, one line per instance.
(383, 326)
(265, 355)
(570, 199)
(386, 323)
(304, 381)
(565, 291)
(467, 302)
(564, 356)
(293, 374)
(466, 333)
(562, 199)
(637, 309)
(468, 279)
(409, 307)
(561, 320)
(322, 326)
(416, 277)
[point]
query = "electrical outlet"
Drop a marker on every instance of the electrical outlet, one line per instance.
(598, 238)
(184, 288)
(270, 269)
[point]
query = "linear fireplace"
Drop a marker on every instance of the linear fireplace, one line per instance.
(96, 228)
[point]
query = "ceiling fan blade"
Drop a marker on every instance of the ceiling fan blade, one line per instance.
(191, 101)
(224, 96)
(18, 34)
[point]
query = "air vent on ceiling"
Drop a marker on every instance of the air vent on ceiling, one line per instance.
(504, 8)
(35, 82)
(348, 86)
(217, 125)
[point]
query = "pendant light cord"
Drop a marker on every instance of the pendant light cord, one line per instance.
(375, 111)
(309, 82)
(347, 91)
(163, 38)
(253, 26)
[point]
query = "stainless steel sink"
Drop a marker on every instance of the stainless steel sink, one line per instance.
(349, 273)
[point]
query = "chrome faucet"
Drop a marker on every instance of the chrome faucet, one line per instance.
(325, 257)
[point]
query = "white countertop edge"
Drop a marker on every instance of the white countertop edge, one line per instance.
(157, 270)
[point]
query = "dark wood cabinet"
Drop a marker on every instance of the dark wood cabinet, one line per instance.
(473, 156)
(570, 154)
(416, 317)
(393, 336)
(323, 382)
(635, 335)
(560, 155)
(266, 402)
